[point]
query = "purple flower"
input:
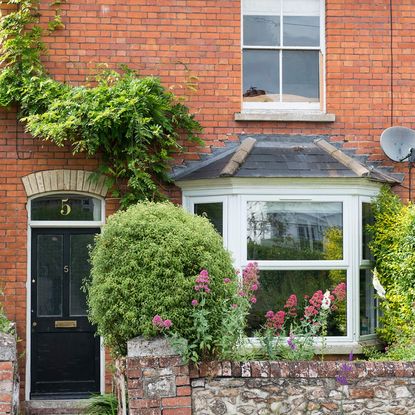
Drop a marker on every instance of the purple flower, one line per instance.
(290, 342)
(195, 303)
(341, 379)
(253, 300)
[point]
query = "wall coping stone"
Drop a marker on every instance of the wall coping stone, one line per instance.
(154, 347)
(7, 348)
(302, 369)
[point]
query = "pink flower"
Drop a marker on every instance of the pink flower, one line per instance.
(241, 294)
(157, 321)
(340, 291)
(167, 324)
(253, 300)
(250, 277)
(234, 305)
(277, 319)
(291, 302)
(227, 280)
(310, 312)
(195, 303)
(269, 314)
(202, 282)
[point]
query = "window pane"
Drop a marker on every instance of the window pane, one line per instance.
(300, 79)
(49, 275)
(367, 219)
(295, 230)
(212, 211)
(277, 286)
(261, 75)
(301, 30)
(368, 313)
(262, 7)
(261, 30)
(66, 207)
(79, 271)
(307, 7)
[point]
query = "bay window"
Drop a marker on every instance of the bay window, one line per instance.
(303, 240)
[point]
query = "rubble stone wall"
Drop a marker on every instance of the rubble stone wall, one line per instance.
(160, 384)
(9, 380)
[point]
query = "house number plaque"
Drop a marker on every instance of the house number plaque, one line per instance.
(65, 207)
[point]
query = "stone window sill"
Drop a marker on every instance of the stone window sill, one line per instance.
(286, 116)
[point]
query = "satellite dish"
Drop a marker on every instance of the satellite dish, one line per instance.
(398, 143)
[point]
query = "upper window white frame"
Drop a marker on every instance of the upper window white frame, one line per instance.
(271, 7)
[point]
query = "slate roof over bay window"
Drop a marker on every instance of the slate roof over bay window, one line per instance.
(283, 156)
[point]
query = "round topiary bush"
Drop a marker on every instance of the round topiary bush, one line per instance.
(145, 263)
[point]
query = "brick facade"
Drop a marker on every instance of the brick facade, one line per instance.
(201, 38)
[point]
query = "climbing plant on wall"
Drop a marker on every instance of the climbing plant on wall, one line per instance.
(133, 122)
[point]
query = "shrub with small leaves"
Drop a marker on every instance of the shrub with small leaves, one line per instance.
(393, 247)
(144, 267)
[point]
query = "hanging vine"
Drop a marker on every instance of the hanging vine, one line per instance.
(134, 123)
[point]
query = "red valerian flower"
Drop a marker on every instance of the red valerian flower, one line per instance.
(340, 291)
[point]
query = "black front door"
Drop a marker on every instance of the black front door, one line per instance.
(65, 360)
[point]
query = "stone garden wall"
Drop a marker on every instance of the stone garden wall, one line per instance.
(159, 384)
(9, 381)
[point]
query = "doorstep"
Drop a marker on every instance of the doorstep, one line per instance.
(56, 407)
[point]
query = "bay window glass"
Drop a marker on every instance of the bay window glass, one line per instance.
(213, 212)
(281, 53)
(277, 285)
(367, 219)
(294, 230)
(368, 303)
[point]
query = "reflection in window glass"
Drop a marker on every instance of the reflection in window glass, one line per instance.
(295, 230)
(300, 81)
(66, 207)
(277, 286)
(79, 271)
(301, 30)
(367, 219)
(261, 30)
(212, 211)
(49, 275)
(368, 303)
(261, 75)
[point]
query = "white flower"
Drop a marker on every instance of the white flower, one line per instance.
(326, 302)
(377, 285)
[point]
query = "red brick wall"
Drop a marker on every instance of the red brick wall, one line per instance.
(163, 38)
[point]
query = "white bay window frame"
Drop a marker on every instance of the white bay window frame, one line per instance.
(235, 193)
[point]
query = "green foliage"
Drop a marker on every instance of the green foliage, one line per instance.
(145, 263)
(393, 246)
(133, 122)
(5, 325)
(106, 404)
(402, 350)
